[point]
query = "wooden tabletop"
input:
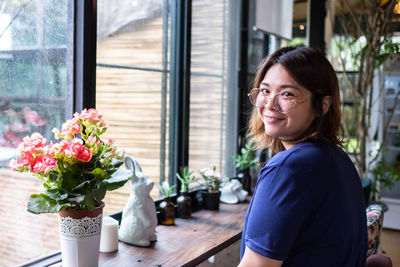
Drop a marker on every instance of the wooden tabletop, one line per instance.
(188, 243)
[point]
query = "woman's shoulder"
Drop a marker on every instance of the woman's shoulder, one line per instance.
(306, 154)
(314, 150)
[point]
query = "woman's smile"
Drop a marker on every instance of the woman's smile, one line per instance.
(272, 119)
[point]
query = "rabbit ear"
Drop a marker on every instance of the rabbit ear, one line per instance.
(129, 163)
(137, 166)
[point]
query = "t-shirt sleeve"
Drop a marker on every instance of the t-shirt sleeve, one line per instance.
(277, 214)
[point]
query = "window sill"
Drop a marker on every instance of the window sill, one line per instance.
(188, 243)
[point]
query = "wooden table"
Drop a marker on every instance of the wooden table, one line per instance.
(188, 243)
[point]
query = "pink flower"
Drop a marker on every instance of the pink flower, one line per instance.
(26, 159)
(37, 142)
(49, 163)
(85, 155)
(33, 144)
(9, 135)
(79, 151)
(70, 128)
(15, 127)
(91, 140)
(77, 141)
(9, 139)
(32, 117)
(23, 161)
(59, 147)
(38, 165)
(56, 132)
(92, 116)
(10, 112)
(74, 148)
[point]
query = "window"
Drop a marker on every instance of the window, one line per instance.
(41, 66)
(208, 91)
(132, 85)
(34, 47)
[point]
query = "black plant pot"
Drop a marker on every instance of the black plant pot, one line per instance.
(245, 178)
(210, 200)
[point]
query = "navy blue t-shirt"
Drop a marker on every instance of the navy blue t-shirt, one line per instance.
(308, 209)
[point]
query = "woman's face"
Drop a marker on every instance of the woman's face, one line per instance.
(293, 121)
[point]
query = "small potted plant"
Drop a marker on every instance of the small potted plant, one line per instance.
(212, 185)
(76, 173)
(167, 207)
(184, 202)
(243, 162)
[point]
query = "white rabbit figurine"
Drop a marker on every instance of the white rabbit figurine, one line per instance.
(139, 217)
(232, 192)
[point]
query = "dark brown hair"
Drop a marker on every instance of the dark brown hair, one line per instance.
(309, 68)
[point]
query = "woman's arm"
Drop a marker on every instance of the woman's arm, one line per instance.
(253, 259)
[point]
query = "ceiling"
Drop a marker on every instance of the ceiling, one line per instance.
(300, 8)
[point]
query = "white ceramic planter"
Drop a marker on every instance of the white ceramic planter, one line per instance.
(80, 237)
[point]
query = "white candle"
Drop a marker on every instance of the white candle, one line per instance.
(109, 235)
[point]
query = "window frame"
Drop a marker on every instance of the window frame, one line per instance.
(84, 55)
(81, 78)
(178, 152)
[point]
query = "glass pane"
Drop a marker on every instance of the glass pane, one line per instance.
(33, 71)
(208, 93)
(132, 83)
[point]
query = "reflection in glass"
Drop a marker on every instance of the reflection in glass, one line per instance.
(132, 84)
(33, 71)
(208, 93)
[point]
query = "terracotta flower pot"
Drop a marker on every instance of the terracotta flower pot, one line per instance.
(80, 231)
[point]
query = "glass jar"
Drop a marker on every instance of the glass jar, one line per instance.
(167, 212)
(184, 206)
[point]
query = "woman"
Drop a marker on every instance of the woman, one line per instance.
(307, 208)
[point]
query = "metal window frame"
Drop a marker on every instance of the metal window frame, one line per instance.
(84, 54)
(181, 22)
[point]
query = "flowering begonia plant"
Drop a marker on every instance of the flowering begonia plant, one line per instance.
(77, 171)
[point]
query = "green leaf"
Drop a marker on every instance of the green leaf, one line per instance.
(247, 158)
(99, 193)
(56, 194)
(69, 181)
(99, 173)
(116, 163)
(77, 198)
(186, 177)
(41, 203)
(89, 202)
(83, 187)
(118, 179)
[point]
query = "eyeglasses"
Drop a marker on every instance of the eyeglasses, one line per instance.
(283, 101)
